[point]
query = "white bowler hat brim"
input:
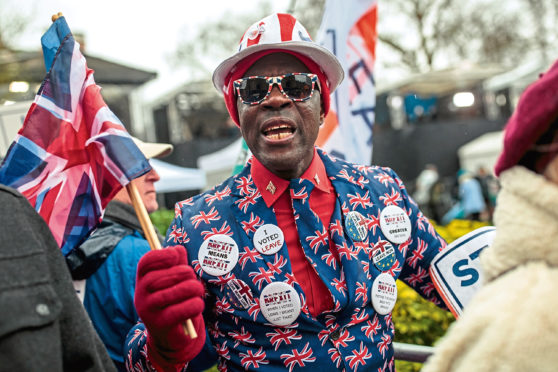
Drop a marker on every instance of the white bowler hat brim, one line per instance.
(320, 55)
(281, 32)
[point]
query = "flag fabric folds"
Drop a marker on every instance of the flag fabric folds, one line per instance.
(72, 154)
(348, 30)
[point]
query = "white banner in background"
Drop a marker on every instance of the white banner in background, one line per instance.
(348, 30)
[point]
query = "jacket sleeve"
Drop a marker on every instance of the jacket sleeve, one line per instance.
(39, 303)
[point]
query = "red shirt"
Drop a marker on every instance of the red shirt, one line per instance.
(275, 192)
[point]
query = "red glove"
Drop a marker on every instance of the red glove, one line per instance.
(167, 294)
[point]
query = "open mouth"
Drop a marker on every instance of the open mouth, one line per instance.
(277, 132)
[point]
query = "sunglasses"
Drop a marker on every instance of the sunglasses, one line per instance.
(298, 86)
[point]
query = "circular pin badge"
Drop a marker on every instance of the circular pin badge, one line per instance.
(384, 293)
(383, 255)
(280, 303)
(395, 224)
(239, 294)
(218, 255)
(356, 226)
(268, 239)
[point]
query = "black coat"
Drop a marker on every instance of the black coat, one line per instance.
(43, 326)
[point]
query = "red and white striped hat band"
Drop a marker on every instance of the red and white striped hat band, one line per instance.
(279, 32)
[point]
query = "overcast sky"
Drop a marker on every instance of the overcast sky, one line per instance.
(140, 33)
(137, 33)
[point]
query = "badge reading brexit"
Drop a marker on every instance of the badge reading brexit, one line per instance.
(268, 239)
(218, 255)
(280, 303)
(456, 271)
(395, 224)
(384, 293)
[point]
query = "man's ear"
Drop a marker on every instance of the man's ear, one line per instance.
(322, 115)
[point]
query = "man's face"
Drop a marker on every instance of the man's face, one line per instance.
(146, 188)
(280, 132)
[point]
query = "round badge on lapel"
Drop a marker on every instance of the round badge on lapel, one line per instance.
(395, 224)
(239, 294)
(383, 255)
(356, 226)
(268, 239)
(280, 303)
(384, 293)
(218, 255)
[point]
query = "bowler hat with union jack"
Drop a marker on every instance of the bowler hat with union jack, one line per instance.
(277, 33)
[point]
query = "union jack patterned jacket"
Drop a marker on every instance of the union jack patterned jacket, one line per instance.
(351, 337)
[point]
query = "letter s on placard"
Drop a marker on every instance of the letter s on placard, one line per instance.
(461, 270)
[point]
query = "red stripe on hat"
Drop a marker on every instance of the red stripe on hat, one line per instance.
(256, 40)
(286, 25)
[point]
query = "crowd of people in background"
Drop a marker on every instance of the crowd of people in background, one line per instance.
(468, 195)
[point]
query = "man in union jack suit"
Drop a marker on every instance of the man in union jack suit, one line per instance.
(295, 258)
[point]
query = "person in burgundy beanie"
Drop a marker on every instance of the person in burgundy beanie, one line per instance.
(511, 324)
(299, 252)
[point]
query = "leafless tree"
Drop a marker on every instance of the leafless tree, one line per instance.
(420, 35)
(12, 24)
(440, 33)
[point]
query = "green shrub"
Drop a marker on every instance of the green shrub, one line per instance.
(161, 219)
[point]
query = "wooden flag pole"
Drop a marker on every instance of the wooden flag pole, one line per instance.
(151, 237)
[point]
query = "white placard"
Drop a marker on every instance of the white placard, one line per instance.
(456, 271)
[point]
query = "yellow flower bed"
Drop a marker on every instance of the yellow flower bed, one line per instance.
(416, 320)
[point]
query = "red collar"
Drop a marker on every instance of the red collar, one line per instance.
(272, 186)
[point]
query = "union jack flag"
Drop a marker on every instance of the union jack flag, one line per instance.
(72, 154)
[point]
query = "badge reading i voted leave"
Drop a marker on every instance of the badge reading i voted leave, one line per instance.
(384, 293)
(239, 294)
(356, 226)
(268, 239)
(383, 255)
(280, 303)
(218, 255)
(395, 224)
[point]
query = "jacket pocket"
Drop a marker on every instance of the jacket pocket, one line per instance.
(28, 307)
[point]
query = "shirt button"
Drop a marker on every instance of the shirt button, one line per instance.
(42, 309)
(334, 336)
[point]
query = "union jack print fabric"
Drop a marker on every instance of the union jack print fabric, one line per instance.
(72, 154)
(350, 337)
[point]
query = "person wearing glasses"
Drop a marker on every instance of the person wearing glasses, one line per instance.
(295, 258)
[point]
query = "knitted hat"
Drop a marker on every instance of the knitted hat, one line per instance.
(535, 114)
(274, 34)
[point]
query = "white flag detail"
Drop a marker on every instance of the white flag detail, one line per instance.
(348, 30)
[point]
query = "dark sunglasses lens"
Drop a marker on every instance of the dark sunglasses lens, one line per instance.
(253, 89)
(297, 86)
